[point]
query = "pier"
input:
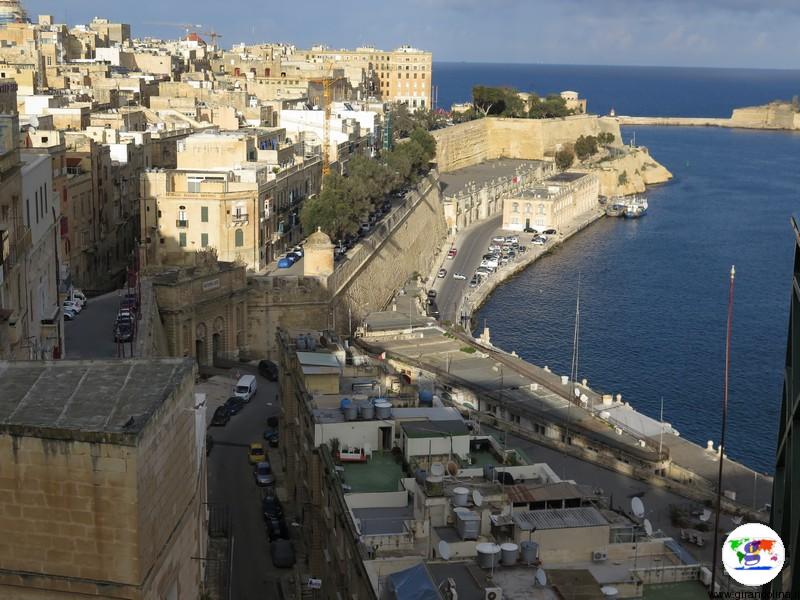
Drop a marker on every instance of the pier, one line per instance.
(503, 391)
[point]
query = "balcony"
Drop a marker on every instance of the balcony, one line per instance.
(181, 224)
(239, 217)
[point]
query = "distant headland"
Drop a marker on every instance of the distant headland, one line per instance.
(777, 115)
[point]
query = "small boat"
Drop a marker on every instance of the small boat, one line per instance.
(615, 210)
(635, 207)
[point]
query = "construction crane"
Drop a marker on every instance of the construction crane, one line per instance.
(213, 35)
(328, 84)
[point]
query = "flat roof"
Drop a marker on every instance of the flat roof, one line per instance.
(454, 182)
(567, 176)
(318, 359)
(83, 398)
(427, 429)
(560, 518)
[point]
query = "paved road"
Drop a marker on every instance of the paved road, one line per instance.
(618, 487)
(91, 333)
(230, 481)
(472, 244)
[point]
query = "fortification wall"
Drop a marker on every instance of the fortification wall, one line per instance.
(639, 170)
(776, 115)
(470, 143)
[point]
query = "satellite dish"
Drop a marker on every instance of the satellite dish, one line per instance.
(444, 550)
(452, 469)
(477, 497)
(648, 527)
(577, 392)
(637, 506)
(541, 577)
(706, 515)
(737, 519)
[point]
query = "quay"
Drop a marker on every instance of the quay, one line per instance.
(497, 388)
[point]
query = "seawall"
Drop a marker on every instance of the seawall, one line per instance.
(774, 116)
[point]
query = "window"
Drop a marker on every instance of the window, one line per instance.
(528, 208)
(515, 207)
(238, 238)
(28, 212)
(36, 196)
(204, 240)
(182, 240)
(204, 214)
(541, 209)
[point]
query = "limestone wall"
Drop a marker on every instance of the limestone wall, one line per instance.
(775, 115)
(470, 143)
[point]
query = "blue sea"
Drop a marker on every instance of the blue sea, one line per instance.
(654, 291)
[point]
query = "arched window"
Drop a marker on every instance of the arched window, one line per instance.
(541, 209)
(528, 208)
(515, 207)
(238, 237)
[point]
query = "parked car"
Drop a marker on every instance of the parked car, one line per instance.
(268, 370)
(538, 242)
(431, 293)
(433, 309)
(482, 271)
(294, 256)
(452, 254)
(282, 552)
(74, 306)
(263, 474)
(271, 437)
(271, 507)
(234, 404)
(221, 417)
(364, 229)
(69, 314)
(530, 230)
(298, 250)
(442, 273)
(499, 239)
(77, 296)
(543, 237)
(459, 276)
(277, 529)
(550, 232)
(245, 388)
(512, 239)
(123, 333)
(474, 281)
(257, 453)
(285, 263)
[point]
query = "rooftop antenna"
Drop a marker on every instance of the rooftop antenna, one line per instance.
(724, 425)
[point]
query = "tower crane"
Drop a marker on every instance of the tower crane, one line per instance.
(187, 27)
(328, 82)
(214, 36)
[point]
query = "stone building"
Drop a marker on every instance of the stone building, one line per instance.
(102, 480)
(553, 204)
(204, 309)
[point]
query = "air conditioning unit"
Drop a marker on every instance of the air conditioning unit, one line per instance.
(494, 593)
(599, 556)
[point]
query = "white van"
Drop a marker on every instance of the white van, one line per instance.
(245, 387)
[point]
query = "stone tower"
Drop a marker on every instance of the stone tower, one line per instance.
(318, 255)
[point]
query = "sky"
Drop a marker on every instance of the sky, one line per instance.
(716, 33)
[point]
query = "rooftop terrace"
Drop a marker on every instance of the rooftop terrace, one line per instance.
(381, 473)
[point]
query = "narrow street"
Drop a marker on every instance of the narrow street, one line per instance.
(231, 483)
(91, 333)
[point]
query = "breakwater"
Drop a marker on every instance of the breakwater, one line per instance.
(773, 116)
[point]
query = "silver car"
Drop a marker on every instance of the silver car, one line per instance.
(263, 474)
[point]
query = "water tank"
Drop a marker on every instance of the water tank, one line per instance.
(460, 495)
(488, 472)
(383, 410)
(564, 380)
(468, 525)
(530, 552)
(609, 592)
(421, 475)
(425, 398)
(344, 403)
(488, 555)
(509, 553)
(350, 412)
(434, 485)
(437, 469)
(367, 411)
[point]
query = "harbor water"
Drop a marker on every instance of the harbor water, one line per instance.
(654, 289)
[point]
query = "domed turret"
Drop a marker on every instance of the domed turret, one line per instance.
(318, 255)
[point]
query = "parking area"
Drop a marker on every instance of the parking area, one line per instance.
(91, 333)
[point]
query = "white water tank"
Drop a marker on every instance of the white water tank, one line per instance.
(383, 410)
(530, 552)
(509, 553)
(488, 555)
(460, 495)
(564, 380)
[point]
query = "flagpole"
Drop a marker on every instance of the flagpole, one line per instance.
(722, 436)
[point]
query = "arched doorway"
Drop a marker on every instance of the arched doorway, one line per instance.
(218, 340)
(200, 349)
(215, 347)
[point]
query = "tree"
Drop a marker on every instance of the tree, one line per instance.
(564, 158)
(622, 178)
(500, 101)
(553, 106)
(585, 146)
(604, 138)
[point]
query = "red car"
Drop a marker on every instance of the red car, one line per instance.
(452, 253)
